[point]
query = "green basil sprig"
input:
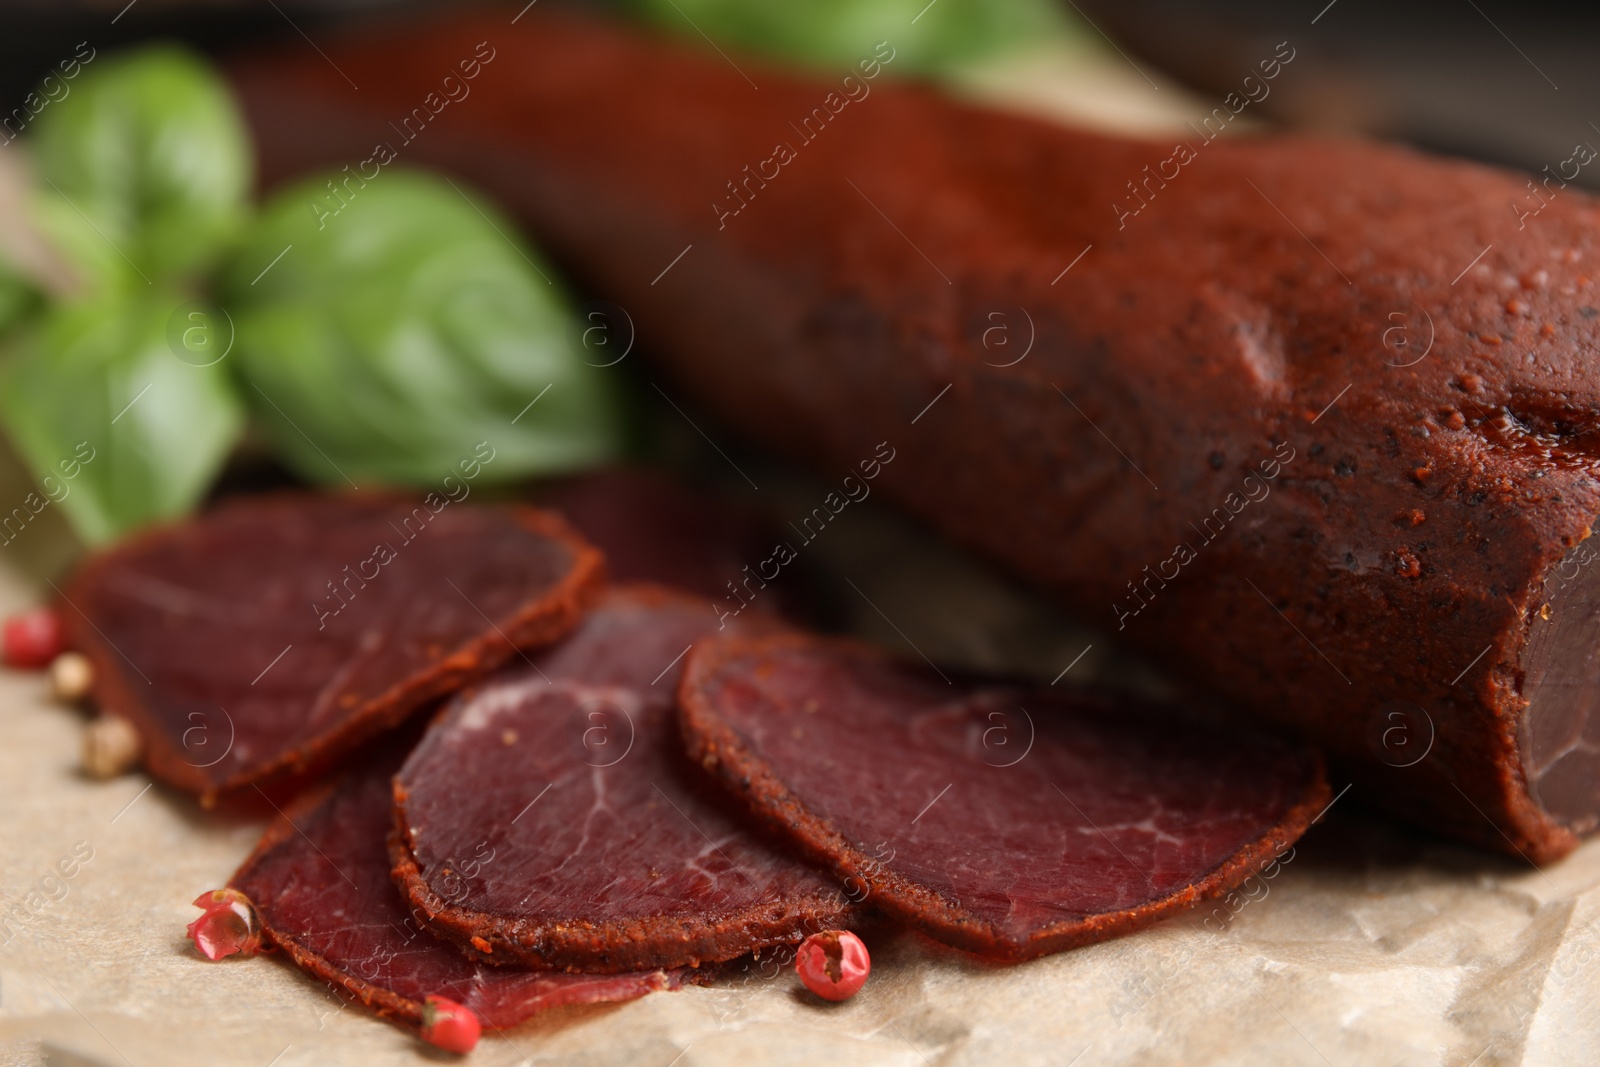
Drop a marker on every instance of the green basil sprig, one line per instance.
(393, 335)
(143, 180)
(101, 374)
(150, 151)
(18, 299)
(377, 336)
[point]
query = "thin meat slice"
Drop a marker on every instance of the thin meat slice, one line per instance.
(549, 817)
(262, 640)
(1005, 821)
(655, 528)
(320, 884)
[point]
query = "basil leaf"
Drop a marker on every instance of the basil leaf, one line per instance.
(96, 389)
(920, 38)
(386, 326)
(18, 299)
(149, 152)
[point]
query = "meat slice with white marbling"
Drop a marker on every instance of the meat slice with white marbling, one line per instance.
(549, 816)
(320, 884)
(1004, 820)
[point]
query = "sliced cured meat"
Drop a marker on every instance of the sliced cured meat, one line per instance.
(655, 529)
(319, 880)
(1365, 387)
(1000, 820)
(265, 638)
(549, 817)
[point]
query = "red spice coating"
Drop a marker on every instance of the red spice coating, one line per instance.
(1342, 300)
(1005, 834)
(262, 640)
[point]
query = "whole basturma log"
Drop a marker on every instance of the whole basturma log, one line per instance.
(259, 642)
(1312, 421)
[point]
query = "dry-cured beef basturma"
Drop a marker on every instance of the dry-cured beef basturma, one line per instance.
(265, 638)
(653, 528)
(320, 884)
(549, 817)
(1313, 421)
(1003, 821)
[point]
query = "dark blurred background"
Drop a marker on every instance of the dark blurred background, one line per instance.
(1508, 83)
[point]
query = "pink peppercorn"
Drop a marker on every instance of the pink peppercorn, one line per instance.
(31, 640)
(833, 964)
(227, 925)
(449, 1025)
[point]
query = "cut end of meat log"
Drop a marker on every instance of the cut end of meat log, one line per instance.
(550, 818)
(1004, 821)
(1559, 736)
(260, 641)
